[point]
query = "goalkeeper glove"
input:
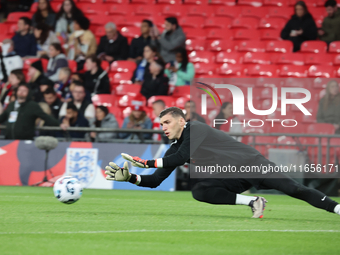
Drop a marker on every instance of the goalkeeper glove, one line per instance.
(138, 162)
(116, 173)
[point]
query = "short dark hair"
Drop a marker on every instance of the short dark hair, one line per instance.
(26, 20)
(172, 20)
(331, 3)
(149, 22)
(57, 46)
(160, 101)
(104, 109)
(82, 21)
(19, 74)
(94, 59)
(174, 111)
(190, 101)
(72, 106)
(24, 85)
(77, 83)
(50, 90)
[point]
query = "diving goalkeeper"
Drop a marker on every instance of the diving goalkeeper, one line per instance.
(209, 146)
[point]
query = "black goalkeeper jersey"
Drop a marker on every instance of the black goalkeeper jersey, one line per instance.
(201, 145)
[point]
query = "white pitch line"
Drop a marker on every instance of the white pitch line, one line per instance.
(173, 230)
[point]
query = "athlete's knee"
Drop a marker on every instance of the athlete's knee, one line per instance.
(199, 192)
(298, 190)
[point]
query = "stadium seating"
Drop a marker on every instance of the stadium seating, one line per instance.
(168, 100)
(195, 44)
(131, 90)
(123, 66)
(251, 46)
(257, 58)
(321, 71)
(279, 46)
(319, 59)
(314, 47)
(290, 59)
(229, 57)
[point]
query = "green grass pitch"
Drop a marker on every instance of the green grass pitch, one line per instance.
(32, 221)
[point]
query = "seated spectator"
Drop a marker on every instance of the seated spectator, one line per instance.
(330, 30)
(157, 84)
(96, 80)
(44, 14)
(11, 59)
(62, 87)
(44, 37)
(84, 106)
(73, 118)
(138, 44)
(137, 120)
(104, 119)
(142, 70)
(15, 78)
(1, 109)
(301, 27)
(38, 81)
(329, 105)
(57, 61)
(226, 113)
(20, 116)
(113, 46)
(53, 101)
(158, 106)
(172, 38)
(24, 42)
(190, 112)
(180, 72)
(64, 19)
(82, 42)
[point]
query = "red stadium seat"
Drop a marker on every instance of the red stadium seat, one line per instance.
(34, 7)
(173, 2)
(180, 91)
(121, 10)
(334, 47)
(255, 3)
(321, 71)
(293, 71)
(105, 65)
(222, 2)
(218, 34)
(131, 21)
(13, 17)
(147, 10)
(104, 99)
(72, 65)
(279, 46)
(229, 57)
(257, 58)
(336, 60)
(131, 90)
(192, 2)
(262, 71)
(100, 31)
(130, 32)
(217, 22)
(220, 45)
(123, 66)
(200, 10)
(89, 8)
(191, 22)
(281, 12)
(270, 35)
(226, 11)
(231, 70)
(120, 78)
(278, 3)
(127, 100)
(246, 23)
(56, 6)
(142, 1)
(204, 69)
(309, 3)
(313, 47)
(251, 46)
(246, 34)
(271, 23)
(202, 57)
(99, 20)
(168, 100)
(116, 1)
(195, 44)
(181, 101)
(193, 33)
(254, 12)
(319, 59)
(290, 59)
(174, 10)
(321, 129)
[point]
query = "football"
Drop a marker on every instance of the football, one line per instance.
(67, 189)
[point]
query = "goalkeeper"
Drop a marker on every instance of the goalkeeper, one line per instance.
(209, 146)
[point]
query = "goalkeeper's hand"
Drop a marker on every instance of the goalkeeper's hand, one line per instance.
(136, 161)
(116, 173)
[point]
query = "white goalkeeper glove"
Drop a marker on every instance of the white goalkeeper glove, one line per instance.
(116, 173)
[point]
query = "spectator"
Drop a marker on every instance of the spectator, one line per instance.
(11, 60)
(1, 109)
(73, 118)
(157, 84)
(191, 114)
(15, 78)
(330, 30)
(172, 38)
(158, 106)
(137, 120)
(180, 72)
(62, 87)
(20, 116)
(113, 46)
(104, 119)
(44, 14)
(44, 37)
(150, 54)
(329, 105)
(301, 27)
(226, 113)
(84, 106)
(64, 18)
(138, 44)
(57, 61)
(96, 80)
(38, 81)
(24, 42)
(82, 42)
(53, 101)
